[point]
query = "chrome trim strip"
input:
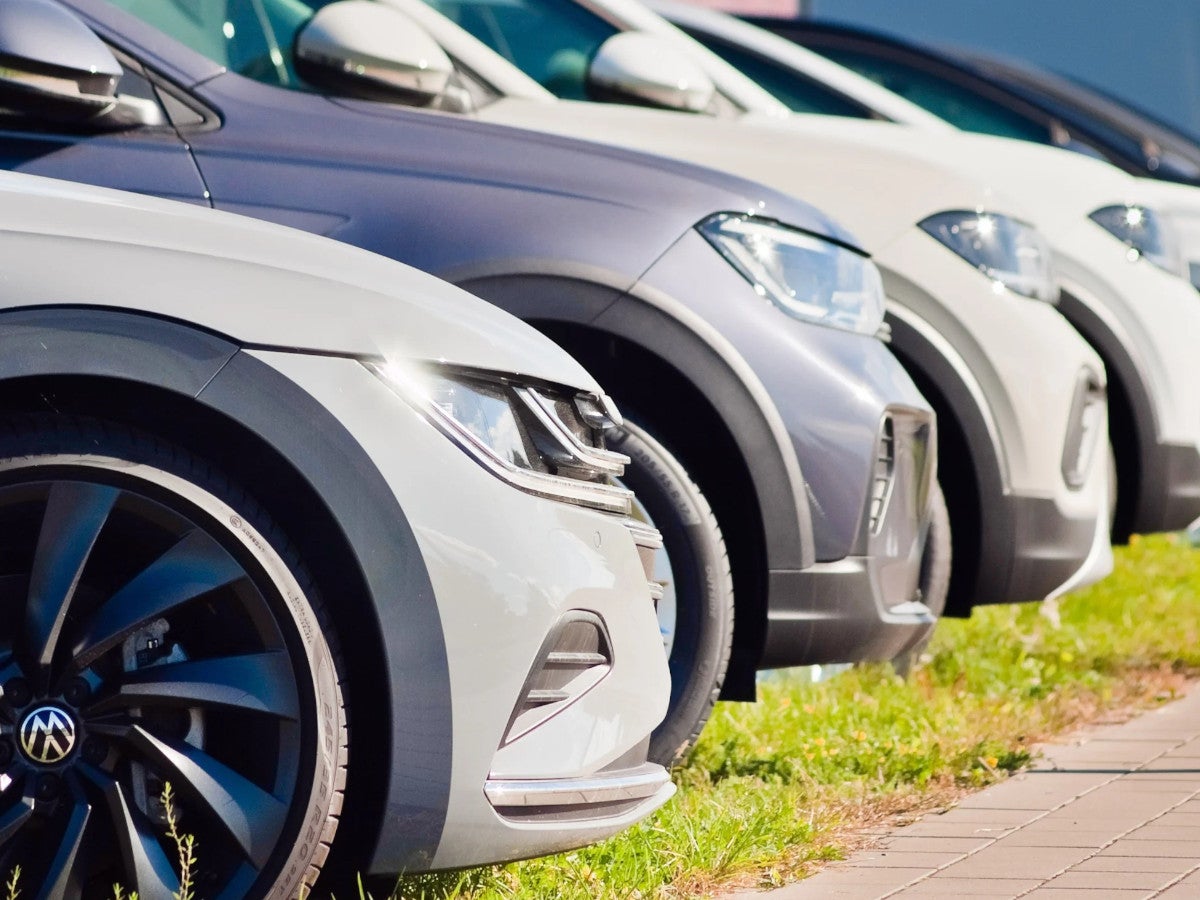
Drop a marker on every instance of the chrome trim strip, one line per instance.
(644, 535)
(603, 787)
(601, 462)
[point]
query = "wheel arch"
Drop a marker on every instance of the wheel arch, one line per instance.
(197, 389)
(1133, 425)
(632, 345)
(969, 462)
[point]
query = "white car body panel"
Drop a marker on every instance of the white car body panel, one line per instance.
(276, 282)
(499, 590)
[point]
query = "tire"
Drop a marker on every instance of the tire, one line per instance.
(694, 554)
(934, 580)
(175, 638)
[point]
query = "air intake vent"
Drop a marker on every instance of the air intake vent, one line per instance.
(573, 660)
(885, 473)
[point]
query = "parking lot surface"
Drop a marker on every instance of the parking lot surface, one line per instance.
(1114, 813)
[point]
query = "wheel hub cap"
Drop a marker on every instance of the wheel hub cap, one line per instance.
(47, 735)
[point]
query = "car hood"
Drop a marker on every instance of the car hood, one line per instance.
(547, 160)
(843, 174)
(256, 283)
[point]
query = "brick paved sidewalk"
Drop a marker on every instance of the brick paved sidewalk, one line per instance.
(1114, 814)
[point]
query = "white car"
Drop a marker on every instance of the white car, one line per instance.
(1144, 323)
(1028, 499)
(270, 533)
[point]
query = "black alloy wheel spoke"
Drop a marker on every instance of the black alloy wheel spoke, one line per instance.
(74, 516)
(256, 682)
(196, 565)
(61, 873)
(252, 817)
(13, 818)
(145, 862)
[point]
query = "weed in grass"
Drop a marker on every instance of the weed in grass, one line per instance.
(11, 889)
(185, 846)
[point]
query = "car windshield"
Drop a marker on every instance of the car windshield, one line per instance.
(796, 91)
(957, 105)
(251, 37)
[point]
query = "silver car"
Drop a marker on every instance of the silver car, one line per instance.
(313, 538)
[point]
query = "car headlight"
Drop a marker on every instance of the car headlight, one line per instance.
(540, 439)
(1145, 233)
(1009, 252)
(806, 276)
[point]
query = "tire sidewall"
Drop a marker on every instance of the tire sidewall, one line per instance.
(703, 635)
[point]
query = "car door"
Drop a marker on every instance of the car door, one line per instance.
(149, 159)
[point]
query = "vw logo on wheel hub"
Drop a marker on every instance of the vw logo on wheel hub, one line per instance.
(48, 735)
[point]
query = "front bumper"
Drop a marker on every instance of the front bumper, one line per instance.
(832, 392)
(1028, 394)
(1145, 321)
(1050, 551)
(1172, 487)
(831, 614)
(511, 573)
(868, 606)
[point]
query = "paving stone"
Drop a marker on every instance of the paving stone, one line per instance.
(1123, 805)
(1112, 880)
(991, 889)
(906, 843)
(1104, 863)
(1085, 894)
(851, 884)
(1179, 818)
(902, 860)
(1035, 792)
(998, 861)
(1062, 837)
(1147, 781)
(1157, 832)
(933, 827)
(1180, 849)
(987, 816)
(1101, 750)
(1175, 761)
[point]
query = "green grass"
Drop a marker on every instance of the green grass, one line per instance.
(776, 787)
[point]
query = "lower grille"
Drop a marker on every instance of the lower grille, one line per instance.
(884, 475)
(573, 659)
(1085, 423)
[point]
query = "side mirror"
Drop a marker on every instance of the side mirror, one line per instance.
(642, 68)
(374, 51)
(53, 66)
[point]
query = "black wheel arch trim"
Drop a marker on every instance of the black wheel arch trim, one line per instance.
(1128, 375)
(214, 371)
(915, 344)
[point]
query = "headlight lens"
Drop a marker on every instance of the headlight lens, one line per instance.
(805, 276)
(1009, 252)
(487, 412)
(543, 441)
(1145, 233)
